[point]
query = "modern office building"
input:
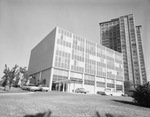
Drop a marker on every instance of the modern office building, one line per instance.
(119, 34)
(141, 54)
(68, 61)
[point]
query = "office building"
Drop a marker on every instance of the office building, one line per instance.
(68, 61)
(119, 35)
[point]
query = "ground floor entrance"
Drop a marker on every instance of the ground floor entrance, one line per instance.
(59, 86)
(68, 85)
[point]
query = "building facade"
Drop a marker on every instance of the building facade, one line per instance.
(68, 61)
(119, 34)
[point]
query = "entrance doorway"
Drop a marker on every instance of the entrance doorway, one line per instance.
(59, 86)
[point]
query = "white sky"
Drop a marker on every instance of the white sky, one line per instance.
(24, 23)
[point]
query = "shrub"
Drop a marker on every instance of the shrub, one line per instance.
(141, 95)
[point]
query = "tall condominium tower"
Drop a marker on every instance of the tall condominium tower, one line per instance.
(119, 35)
(141, 55)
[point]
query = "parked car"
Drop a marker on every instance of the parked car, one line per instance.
(110, 92)
(27, 87)
(35, 88)
(44, 89)
(101, 92)
(31, 87)
(81, 90)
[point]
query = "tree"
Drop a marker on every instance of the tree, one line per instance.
(25, 76)
(5, 78)
(12, 75)
(141, 94)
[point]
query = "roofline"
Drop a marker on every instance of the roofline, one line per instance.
(115, 19)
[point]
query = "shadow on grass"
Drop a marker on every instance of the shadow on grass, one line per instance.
(126, 102)
(48, 114)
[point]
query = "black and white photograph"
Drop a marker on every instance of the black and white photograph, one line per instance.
(74, 58)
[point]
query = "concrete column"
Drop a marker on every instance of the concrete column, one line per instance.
(74, 87)
(58, 86)
(83, 75)
(51, 78)
(115, 85)
(95, 85)
(68, 84)
(63, 86)
(105, 82)
(123, 86)
(55, 86)
(40, 77)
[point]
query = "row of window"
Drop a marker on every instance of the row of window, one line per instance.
(101, 64)
(64, 43)
(77, 68)
(89, 82)
(118, 61)
(78, 58)
(62, 60)
(118, 69)
(100, 73)
(61, 65)
(110, 58)
(110, 66)
(89, 61)
(59, 77)
(78, 38)
(62, 72)
(90, 43)
(100, 47)
(100, 84)
(119, 77)
(78, 48)
(79, 43)
(100, 55)
(62, 53)
(90, 51)
(77, 80)
(110, 75)
(89, 68)
(63, 32)
(110, 85)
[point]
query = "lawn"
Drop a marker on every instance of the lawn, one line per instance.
(69, 105)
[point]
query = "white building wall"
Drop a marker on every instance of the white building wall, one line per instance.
(42, 55)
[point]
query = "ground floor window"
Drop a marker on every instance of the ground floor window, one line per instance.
(78, 81)
(110, 85)
(119, 87)
(58, 77)
(89, 82)
(59, 86)
(100, 84)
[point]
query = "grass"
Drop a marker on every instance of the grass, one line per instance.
(69, 105)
